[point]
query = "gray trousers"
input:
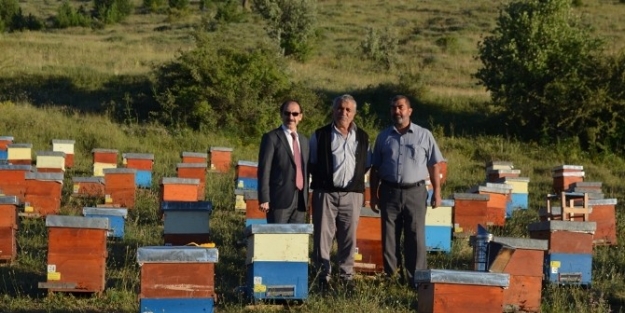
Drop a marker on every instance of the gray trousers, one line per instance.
(335, 213)
(403, 211)
(294, 214)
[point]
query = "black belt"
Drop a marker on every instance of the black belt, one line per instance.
(403, 185)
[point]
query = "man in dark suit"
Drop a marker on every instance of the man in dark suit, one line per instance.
(282, 170)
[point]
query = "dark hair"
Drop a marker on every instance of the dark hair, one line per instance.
(400, 97)
(287, 102)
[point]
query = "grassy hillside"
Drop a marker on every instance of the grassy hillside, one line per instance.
(88, 85)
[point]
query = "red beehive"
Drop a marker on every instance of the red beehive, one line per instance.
(497, 202)
(247, 169)
(120, 186)
(66, 146)
(76, 254)
(105, 156)
(43, 193)
(194, 157)
(8, 227)
(604, 214)
(565, 236)
(13, 180)
(138, 161)
(496, 175)
(197, 171)
(469, 210)
(369, 243)
(565, 175)
(221, 158)
(5, 141)
(179, 189)
(88, 186)
(252, 205)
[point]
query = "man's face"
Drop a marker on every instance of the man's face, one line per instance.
(291, 115)
(344, 113)
(400, 112)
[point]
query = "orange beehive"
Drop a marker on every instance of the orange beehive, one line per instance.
(179, 189)
(88, 186)
(66, 146)
(8, 227)
(252, 205)
(522, 259)
(197, 171)
(247, 169)
(120, 187)
(500, 196)
(565, 236)
(565, 175)
(469, 210)
(177, 272)
(220, 158)
(194, 157)
(76, 254)
(13, 180)
(604, 214)
(138, 161)
(43, 193)
(105, 156)
(369, 243)
(5, 141)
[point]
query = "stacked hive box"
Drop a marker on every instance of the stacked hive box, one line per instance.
(13, 180)
(116, 217)
(88, 187)
(8, 228)
(43, 193)
(179, 189)
(76, 254)
(20, 153)
(519, 198)
(522, 259)
(252, 213)
(439, 227)
(177, 279)
(277, 261)
(469, 210)
(142, 163)
(103, 159)
(194, 157)
(220, 158)
(50, 162)
(569, 256)
(4, 142)
(186, 222)
(436, 286)
(592, 188)
(603, 212)
(368, 258)
(67, 147)
(194, 171)
(565, 175)
(120, 187)
(498, 201)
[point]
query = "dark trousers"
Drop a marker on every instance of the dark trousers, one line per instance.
(294, 214)
(403, 212)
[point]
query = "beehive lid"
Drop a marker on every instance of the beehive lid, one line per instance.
(225, 149)
(180, 181)
(123, 212)
(587, 184)
(515, 172)
(516, 179)
(567, 167)
(186, 206)
(278, 229)
(77, 222)
(572, 226)
(177, 254)
(248, 163)
(191, 165)
(9, 200)
(45, 176)
(99, 180)
(447, 203)
(63, 141)
(20, 145)
(250, 195)
(16, 167)
(194, 154)
(491, 189)
(471, 196)
(98, 150)
(499, 185)
(568, 174)
(500, 163)
(138, 156)
(523, 243)
(555, 210)
(368, 212)
(462, 277)
(119, 171)
(51, 153)
(6, 138)
(611, 201)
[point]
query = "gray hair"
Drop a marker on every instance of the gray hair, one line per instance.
(340, 99)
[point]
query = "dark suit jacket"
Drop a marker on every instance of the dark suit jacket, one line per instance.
(276, 169)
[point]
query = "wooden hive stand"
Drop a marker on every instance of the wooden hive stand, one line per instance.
(574, 206)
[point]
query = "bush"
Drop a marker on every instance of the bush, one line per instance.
(67, 16)
(230, 11)
(112, 11)
(380, 47)
(155, 6)
(12, 18)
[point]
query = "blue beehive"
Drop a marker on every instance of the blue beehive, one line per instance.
(438, 238)
(116, 217)
(177, 305)
(246, 183)
(568, 268)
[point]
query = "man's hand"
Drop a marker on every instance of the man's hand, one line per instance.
(264, 207)
(373, 203)
(436, 201)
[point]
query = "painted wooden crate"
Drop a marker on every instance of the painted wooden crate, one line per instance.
(252, 213)
(179, 189)
(565, 236)
(116, 217)
(103, 159)
(143, 163)
(176, 305)
(66, 146)
(4, 141)
(247, 169)
(186, 222)
(568, 268)
(470, 210)
(76, 254)
(278, 242)
(565, 175)
(277, 280)
(220, 159)
(368, 258)
(436, 286)
(43, 193)
(604, 214)
(88, 186)
(177, 272)
(194, 157)
(20, 153)
(120, 186)
(522, 259)
(13, 180)
(8, 226)
(50, 161)
(197, 171)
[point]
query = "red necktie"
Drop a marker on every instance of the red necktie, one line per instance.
(299, 177)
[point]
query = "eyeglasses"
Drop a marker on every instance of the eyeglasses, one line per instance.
(287, 113)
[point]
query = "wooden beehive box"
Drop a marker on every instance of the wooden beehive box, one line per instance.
(565, 175)
(247, 169)
(4, 142)
(565, 236)
(499, 165)
(469, 210)
(8, 226)
(252, 213)
(523, 259)
(20, 153)
(197, 171)
(143, 164)
(66, 146)
(13, 180)
(603, 212)
(120, 186)
(439, 227)
(88, 186)
(177, 272)
(103, 159)
(436, 286)
(43, 193)
(76, 254)
(496, 175)
(116, 216)
(179, 189)
(50, 161)
(368, 258)
(194, 157)
(186, 222)
(220, 159)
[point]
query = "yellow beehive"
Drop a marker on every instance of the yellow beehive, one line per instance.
(441, 216)
(98, 168)
(51, 160)
(278, 242)
(19, 151)
(518, 184)
(66, 146)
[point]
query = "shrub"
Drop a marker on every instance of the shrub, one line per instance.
(112, 11)
(230, 11)
(155, 6)
(67, 16)
(380, 47)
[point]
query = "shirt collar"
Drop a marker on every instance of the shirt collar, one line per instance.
(411, 129)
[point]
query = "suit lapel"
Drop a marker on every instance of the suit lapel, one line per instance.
(285, 141)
